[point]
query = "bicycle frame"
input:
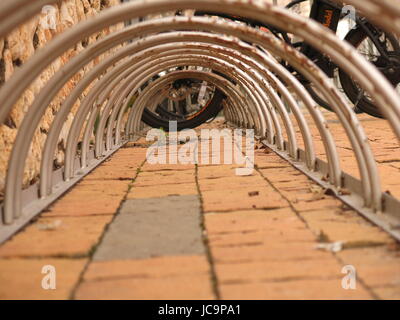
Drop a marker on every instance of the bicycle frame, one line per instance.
(329, 14)
(326, 12)
(323, 11)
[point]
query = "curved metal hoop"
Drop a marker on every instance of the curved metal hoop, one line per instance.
(258, 98)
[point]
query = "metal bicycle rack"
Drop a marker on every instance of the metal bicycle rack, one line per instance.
(258, 99)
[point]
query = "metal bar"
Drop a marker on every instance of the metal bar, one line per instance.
(223, 84)
(45, 96)
(35, 207)
(311, 31)
(147, 71)
(366, 184)
(232, 71)
(286, 77)
(389, 222)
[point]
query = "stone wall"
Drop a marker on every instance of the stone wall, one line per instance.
(17, 48)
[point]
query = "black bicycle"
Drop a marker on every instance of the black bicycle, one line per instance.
(382, 49)
(191, 102)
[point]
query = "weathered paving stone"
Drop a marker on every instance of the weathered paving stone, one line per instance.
(158, 267)
(163, 191)
(263, 271)
(169, 277)
(57, 237)
(182, 288)
(296, 290)
(154, 227)
(22, 278)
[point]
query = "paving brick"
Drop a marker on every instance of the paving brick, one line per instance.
(165, 178)
(180, 288)
(352, 233)
(388, 293)
(263, 162)
(82, 205)
(245, 221)
(163, 191)
(212, 172)
(105, 173)
(317, 204)
(110, 187)
(301, 196)
(293, 185)
(167, 167)
(235, 182)
(70, 237)
(89, 198)
(231, 273)
(93, 188)
(282, 233)
(157, 267)
(283, 175)
(377, 267)
(293, 290)
(370, 255)
(21, 279)
(126, 160)
(133, 149)
(380, 275)
(332, 215)
(242, 199)
(270, 251)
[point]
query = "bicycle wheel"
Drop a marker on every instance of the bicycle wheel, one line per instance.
(317, 96)
(176, 105)
(390, 67)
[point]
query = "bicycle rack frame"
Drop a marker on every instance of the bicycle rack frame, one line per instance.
(257, 99)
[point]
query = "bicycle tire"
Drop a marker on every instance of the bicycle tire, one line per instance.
(211, 111)
(355, 37)
(317, 98)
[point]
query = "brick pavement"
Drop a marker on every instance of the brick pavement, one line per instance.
(218, 236)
